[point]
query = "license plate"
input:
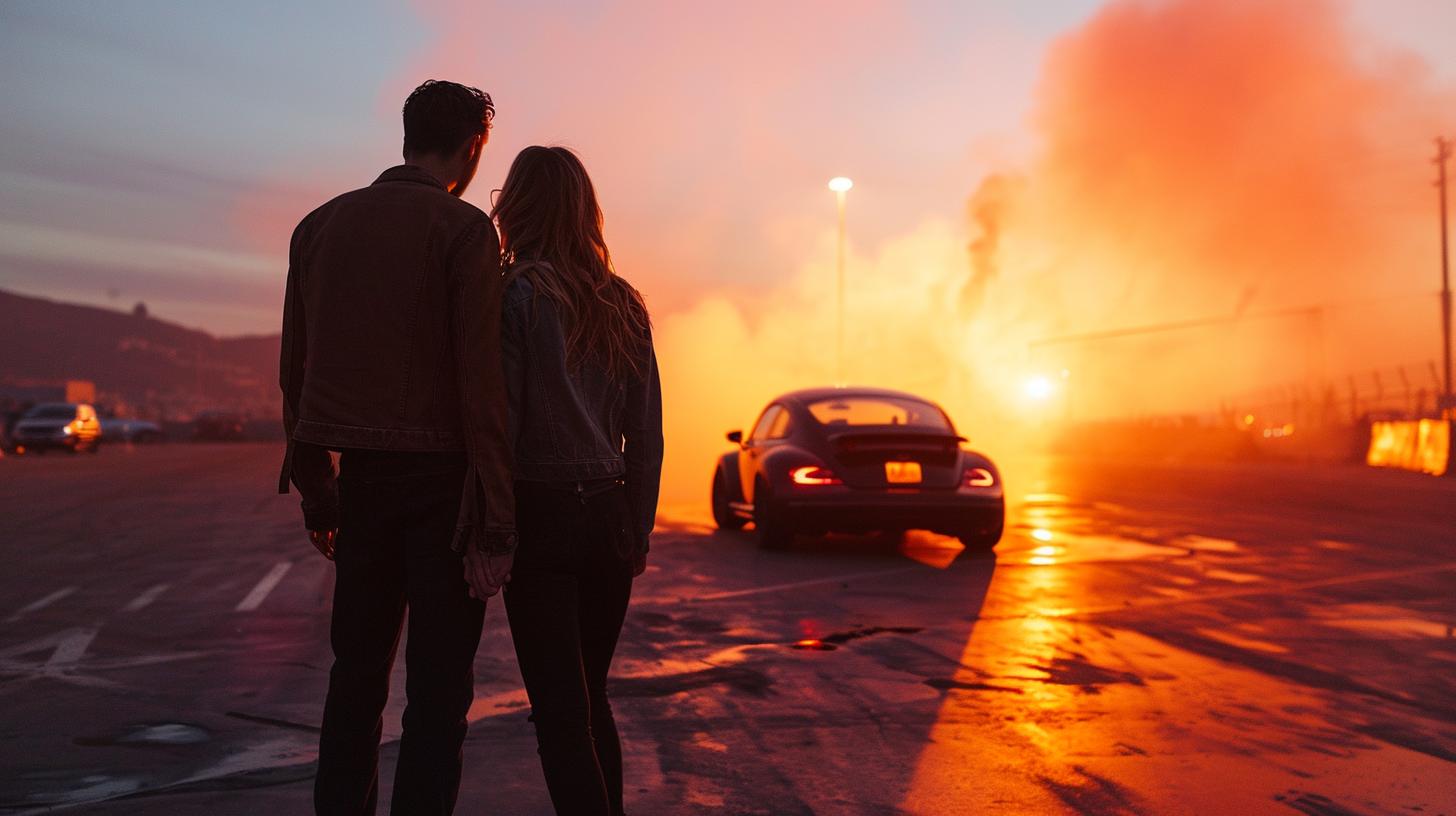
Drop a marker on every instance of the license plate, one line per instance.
(902, 472)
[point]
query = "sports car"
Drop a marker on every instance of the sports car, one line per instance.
(855, 460)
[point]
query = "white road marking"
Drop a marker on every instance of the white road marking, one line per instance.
(718, 596)
(287, 752)
(70, 650)
(47, 643)
(145, 599)
(265, 586)
(40, 604)
(68, 662)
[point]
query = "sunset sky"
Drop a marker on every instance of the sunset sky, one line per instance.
(162, 151)
(1108, 164)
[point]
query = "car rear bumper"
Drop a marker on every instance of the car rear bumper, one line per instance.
(852, 511)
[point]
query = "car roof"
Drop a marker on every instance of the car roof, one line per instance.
(808, 395)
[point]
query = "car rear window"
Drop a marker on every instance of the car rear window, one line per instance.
(878, 411)
(52, 412)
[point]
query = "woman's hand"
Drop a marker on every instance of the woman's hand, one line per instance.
(486, 573)
(639, 564)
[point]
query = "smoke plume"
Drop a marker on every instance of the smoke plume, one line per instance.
(1193, 152)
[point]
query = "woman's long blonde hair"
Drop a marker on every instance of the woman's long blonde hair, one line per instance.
(547, 213)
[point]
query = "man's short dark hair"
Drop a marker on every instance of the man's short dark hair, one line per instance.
(441, 116)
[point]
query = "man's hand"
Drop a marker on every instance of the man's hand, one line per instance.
(639, 564)
(486, 573)
(323, 541)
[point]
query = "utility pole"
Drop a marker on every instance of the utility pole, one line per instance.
(840, 185)
(843, 381)
(1443, 152)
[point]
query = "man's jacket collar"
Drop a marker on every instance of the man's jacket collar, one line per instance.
(409, 172)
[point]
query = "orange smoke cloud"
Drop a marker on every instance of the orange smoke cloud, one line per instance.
(1200, 158)
(1204, 153)
(1239, 135)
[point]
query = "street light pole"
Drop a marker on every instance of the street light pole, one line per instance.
(840, 185)
(1443, 152)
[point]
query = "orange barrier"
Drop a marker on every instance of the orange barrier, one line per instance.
(1422, 445)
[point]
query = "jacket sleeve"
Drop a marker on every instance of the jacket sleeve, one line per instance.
(642, 449)
(488, 507)
(309, 467)
(513, 365)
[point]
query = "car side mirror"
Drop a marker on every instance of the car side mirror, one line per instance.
(735, 437)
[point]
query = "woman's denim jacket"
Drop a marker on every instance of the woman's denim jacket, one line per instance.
(577, 426)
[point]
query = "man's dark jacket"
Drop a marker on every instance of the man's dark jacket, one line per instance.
(391, 341)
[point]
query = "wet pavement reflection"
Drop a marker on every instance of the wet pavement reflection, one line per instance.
(1145, 639)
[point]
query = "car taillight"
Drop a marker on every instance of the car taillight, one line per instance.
(978, 477)
(814, 475)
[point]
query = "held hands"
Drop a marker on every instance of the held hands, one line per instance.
(639, 564)
(323, 541)
(486, 573)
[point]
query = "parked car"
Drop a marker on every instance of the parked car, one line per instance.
(136, 431)
(218, 426)
(69, 425)
(854, 460)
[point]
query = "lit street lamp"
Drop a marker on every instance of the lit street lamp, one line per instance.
(840, 185)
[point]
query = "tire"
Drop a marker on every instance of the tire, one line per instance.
(982, 539)
(774, 533)
(722, 513)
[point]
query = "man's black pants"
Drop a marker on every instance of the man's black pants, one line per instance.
(397, 516)
(566, 601)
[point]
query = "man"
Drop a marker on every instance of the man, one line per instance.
(391, 356)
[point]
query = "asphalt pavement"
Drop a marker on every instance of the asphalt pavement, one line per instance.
(1147, 639)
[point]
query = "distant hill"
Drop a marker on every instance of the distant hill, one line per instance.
(152, 365)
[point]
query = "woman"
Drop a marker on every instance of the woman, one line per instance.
(586, 420)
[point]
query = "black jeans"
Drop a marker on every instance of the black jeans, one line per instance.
(397, 514)
(566, 600)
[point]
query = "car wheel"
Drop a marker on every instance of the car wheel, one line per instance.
(774, 532)
(981, 539)
(722, 513)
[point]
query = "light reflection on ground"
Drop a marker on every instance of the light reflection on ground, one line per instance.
(1202, 640)
(1101, 717)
